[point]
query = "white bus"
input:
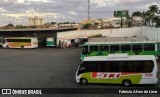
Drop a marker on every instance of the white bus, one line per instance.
(118, 69)
(20, 42)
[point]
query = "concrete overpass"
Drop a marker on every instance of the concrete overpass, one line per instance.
(41, 34)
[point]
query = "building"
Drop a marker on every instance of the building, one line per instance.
(87, 22)
(116, 22)
(92, 24)
(36, 21)
(137, 21)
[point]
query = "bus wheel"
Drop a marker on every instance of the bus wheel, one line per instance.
(126, 83)
(22, 47)
(83, 81)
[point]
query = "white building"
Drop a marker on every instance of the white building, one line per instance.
(35, 21)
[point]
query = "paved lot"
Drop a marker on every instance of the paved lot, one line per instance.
(46, 68)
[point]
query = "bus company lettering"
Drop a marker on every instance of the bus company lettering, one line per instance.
(103, 75)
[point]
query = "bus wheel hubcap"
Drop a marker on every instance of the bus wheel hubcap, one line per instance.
(84, 81)
(126, 83)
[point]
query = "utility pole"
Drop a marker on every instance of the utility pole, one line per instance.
(88, 9)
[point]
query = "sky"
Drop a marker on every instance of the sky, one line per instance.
(18, 11)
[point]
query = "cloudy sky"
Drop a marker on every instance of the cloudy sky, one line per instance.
(18, 11)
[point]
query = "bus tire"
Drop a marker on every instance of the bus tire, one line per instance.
(83, 81)
(22, 47)
(126, 83)
(7, 46)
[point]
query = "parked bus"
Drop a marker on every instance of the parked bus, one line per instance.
(132, 48)
(20, 42)
(118, 69)
(51, 41)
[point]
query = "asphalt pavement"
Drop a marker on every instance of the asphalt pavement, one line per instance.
(48, 68)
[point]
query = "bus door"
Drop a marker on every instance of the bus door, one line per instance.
(4, 43)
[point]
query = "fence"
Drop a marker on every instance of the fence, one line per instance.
(151, 33)
(120, 32)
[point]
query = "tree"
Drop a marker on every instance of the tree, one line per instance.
(21, 27)
(86, 26)
(10, 25)
(155, 19)
(129, 21)
(53, 23)
(153, 10)
(144, 16)
(148, 17)
(158, 23)
(137, 13)
(66, 22)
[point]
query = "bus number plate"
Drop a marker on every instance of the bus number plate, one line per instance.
(148, 74)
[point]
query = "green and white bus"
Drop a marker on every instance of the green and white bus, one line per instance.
(51, 41)
(132, 48)
(118, 69)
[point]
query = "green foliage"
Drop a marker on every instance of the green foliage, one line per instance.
(21, 27)
(149, 16)
(53, 23)
(86, 26)
(158, 23)
(10, 25)
(137, 13)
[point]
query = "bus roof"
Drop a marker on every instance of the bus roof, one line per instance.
(119, 57)
(120, 42)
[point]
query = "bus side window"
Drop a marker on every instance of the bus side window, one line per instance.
(136, 47)
(89, 66)
(85, 50)
(125, 68)
(93, 48)
(113, 66)
(130, 66)
(149, 47)
(27, 40)
(104, 48)
(125, 47)
(102, 66)
(138, 66)
(120, 65)
(148, 66)
(107, 66)
(99, 66)
(114, 48)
